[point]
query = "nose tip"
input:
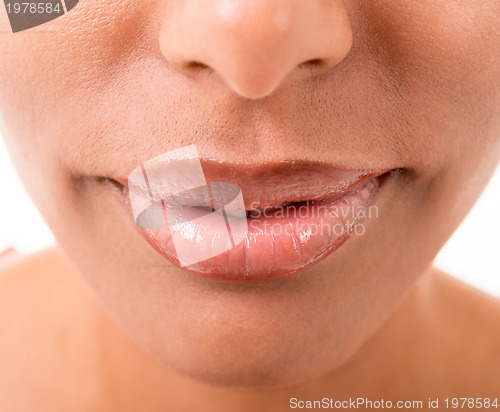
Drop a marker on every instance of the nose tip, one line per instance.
(254, 45)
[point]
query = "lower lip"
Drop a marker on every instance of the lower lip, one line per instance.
(279, 242)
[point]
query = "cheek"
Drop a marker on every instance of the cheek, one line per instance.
(459, 37)
(443, 60)
(50, 77)
(49, 71)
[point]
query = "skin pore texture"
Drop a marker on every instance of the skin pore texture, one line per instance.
(103, 322)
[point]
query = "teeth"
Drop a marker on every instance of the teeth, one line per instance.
(253, 213)
(258, 212)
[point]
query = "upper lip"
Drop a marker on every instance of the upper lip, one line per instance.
(274, 184)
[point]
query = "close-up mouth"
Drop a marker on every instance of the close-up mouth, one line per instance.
(242, 224)
(244, 205)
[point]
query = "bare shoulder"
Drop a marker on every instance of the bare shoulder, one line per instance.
(41, 318)
(472, 332)
(25, 284)
(21, 268)
(31, 285)
(479, 309)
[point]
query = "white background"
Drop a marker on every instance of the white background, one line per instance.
(472, 254)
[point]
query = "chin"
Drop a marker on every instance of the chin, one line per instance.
(253, 350)
(243, 368)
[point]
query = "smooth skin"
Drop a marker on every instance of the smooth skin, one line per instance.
(103, 323)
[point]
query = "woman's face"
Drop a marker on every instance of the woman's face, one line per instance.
(365, 85)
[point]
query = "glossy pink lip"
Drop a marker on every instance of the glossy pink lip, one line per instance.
(296, 214)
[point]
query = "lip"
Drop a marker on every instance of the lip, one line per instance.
(296, 214)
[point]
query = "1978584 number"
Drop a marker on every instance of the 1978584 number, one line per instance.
(33, 8)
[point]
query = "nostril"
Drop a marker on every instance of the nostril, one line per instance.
(311, 63)
(196, 65)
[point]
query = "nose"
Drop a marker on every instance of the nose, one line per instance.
(254, 45)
